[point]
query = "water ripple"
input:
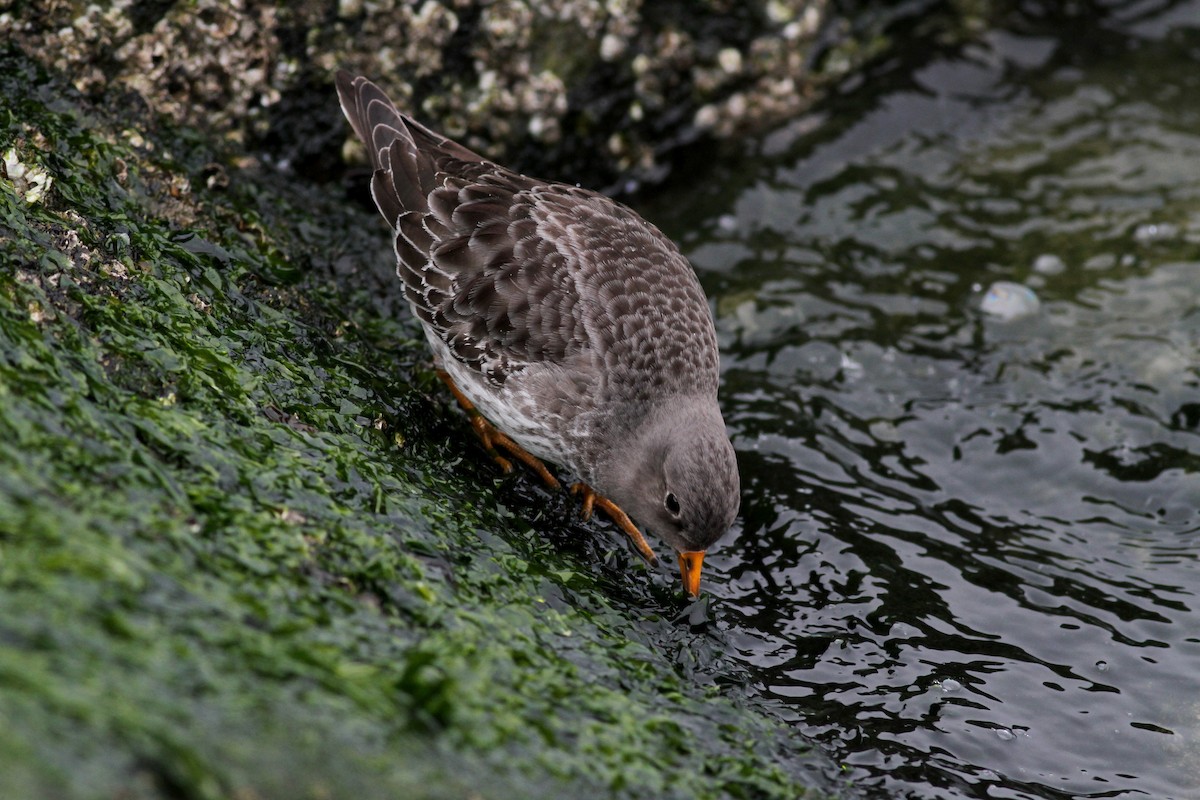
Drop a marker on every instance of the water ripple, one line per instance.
(968, 564)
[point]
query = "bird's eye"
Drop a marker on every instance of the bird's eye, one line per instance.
(672, 504)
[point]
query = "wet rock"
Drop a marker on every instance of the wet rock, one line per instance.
(593, 89)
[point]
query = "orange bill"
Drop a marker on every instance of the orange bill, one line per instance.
(689, 567)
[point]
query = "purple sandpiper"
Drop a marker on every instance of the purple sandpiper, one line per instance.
(568, 327)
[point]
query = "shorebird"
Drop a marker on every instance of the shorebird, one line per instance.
(570, 329)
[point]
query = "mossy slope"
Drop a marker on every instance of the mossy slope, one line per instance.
(245, 549)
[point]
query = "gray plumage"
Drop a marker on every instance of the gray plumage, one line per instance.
(574, 326)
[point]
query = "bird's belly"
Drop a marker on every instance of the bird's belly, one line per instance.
(512, 409)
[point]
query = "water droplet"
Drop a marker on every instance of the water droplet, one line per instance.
(1152, 232)
(1101, 261)
(1005, 734)
(886, 431)
(1009, 301)
(1102, 666)
(951, 685)
(1048, 264)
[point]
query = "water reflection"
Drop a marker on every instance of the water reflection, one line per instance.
(968, 562)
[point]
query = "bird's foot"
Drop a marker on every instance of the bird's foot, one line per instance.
(593, 500)
(492, 438)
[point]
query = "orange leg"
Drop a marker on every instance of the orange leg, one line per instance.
(493, 438)
(591, 499)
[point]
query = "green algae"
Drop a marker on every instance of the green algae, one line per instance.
(246, 550)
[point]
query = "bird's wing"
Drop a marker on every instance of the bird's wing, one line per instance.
(511, 271)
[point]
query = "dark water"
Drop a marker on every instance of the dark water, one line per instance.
(967, 560)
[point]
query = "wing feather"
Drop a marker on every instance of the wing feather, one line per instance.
(510, 272)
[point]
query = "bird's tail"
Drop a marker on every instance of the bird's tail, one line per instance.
(404, 153)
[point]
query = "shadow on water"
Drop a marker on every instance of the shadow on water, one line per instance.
(967, 562)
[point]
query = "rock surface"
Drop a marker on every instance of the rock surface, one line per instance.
(586, 89)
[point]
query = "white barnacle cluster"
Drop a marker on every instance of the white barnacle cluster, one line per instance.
(768, 77)
(489, 73)
(29, 181)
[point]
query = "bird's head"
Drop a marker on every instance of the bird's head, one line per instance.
(677, 477)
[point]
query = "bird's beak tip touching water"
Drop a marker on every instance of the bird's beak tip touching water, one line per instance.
(690, 563)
